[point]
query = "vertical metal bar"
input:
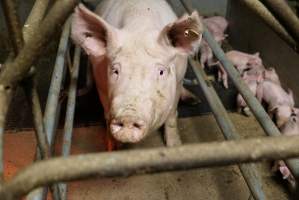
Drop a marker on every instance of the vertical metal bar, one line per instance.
(52, 110)
(229, 131)
(33, 99)
(53, 106)
(70, 113)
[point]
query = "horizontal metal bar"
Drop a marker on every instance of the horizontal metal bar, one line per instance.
(229, 131)
(70, 114)
(129, 162)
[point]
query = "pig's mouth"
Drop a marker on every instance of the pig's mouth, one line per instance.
(128, 129)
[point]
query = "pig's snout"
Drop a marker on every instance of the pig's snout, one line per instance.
(128, 129)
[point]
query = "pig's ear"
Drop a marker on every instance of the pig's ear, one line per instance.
(257, 54)
(184, 34)
(91, 32)
(291, 96)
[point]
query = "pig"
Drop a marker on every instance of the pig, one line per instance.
(291, 127)
(206, 55)
(217, 26)
(281, 166)
(271, 75)
(138, 50)
(253, 81)
(280, 103)
(241, 61)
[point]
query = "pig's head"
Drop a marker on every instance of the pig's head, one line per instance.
(255, 60)
(144, 70)
(282, 114)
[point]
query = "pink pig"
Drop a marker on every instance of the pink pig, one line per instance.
(252, 80)
(291, 127)
(241, 61)
(217, 25)
(139, 52)
(280, 103)
(271, 75)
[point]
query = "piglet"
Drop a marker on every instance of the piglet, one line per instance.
(252, 81)
(280, 103)
(242, 62)
(281, 166)
(271, 75)
(217, 26)
(291, 127)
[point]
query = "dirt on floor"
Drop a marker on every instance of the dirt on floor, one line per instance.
(219, 183)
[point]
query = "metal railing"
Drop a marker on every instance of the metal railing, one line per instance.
(124, 163)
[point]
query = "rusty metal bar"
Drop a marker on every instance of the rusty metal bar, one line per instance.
(285, 15)
(70, 113)
(229, 131)
(129, 162)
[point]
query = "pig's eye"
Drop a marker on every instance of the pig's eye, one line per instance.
(162, 71)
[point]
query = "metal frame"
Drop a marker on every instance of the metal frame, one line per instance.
(128, 162)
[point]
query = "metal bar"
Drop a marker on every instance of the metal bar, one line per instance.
(52, 105)
(13, 24)
(35, 18)
(52, 110)
(33, 99)
(129, 162)
(259, 9)
(229, 131)
(70, 113)
(13, 72)
(285, 15)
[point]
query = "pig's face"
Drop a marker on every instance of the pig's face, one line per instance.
(142, 82)
(282, 114)
(143, 72)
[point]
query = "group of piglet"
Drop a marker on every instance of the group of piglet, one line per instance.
(263, 82)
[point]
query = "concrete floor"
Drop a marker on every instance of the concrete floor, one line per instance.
(221, 183)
